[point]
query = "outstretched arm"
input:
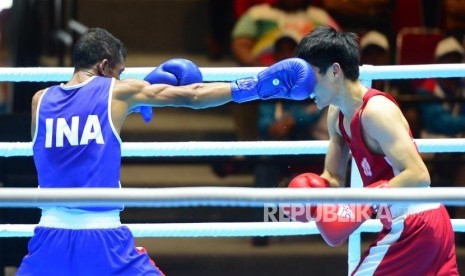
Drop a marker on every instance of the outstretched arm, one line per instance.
(288, 79)
(198, 95)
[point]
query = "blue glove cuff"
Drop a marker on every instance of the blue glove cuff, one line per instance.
(244, 90)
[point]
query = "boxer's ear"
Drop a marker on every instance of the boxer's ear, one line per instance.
(102, 68)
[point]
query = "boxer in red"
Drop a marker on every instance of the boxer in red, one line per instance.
(416, 239)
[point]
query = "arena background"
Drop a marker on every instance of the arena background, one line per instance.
(36, 33)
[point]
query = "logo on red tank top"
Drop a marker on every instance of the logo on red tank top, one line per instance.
(366, 167)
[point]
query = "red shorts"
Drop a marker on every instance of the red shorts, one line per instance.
(418, 244)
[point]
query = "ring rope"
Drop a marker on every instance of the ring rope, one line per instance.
(172, 149)
(216, 229)
(210, 229)
(222, 196)
(40, 74)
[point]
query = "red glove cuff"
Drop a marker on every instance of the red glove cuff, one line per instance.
(382, 210)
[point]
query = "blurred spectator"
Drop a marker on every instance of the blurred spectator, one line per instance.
(454, 18)
(253, 38)
(375, 50)
(223, 15)
(449, 116)
(445, 118)
(256, 31)
(289, 120)
(362, 15)
(284, 47)
(241, 6)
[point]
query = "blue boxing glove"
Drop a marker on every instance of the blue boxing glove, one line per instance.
(291, 78)
(174, 72)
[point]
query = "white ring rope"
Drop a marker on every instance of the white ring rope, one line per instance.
(210, 229)
(222, 196)
(38, 74)
(172, 149)
(214, 229)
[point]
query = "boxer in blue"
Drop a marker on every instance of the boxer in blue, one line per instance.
(76, 144)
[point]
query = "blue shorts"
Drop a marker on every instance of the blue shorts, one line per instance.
(56, 251)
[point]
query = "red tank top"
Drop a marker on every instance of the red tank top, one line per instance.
(372, 166)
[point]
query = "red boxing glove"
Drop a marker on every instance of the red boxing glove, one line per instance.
(304, 212)
(382, 210)
(336, 222)
(309, 180)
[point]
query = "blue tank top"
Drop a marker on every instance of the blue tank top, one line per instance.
(75, 144)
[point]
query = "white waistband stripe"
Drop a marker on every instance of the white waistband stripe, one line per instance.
(66, 218)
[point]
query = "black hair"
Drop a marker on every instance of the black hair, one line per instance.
(325, 46)
(96, 45)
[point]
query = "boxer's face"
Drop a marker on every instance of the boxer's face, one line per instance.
(117, 70)
(326, 84)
